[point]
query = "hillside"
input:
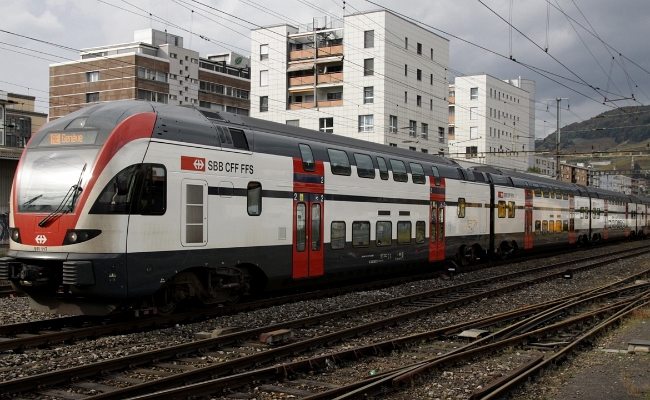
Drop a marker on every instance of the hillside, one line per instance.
(622, 129)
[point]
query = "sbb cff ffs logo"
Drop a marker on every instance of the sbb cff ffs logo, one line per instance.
(193, 163)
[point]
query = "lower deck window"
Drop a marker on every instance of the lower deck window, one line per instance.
(360, 234)
(337, 240)
(384, 233)
(404, 232)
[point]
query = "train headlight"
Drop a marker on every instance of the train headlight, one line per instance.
(74, 236)
(15, 235)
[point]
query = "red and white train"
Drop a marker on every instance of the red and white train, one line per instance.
(138, 205)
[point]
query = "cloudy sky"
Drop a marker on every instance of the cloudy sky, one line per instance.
(596, 49)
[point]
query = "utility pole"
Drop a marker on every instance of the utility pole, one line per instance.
(558, 173)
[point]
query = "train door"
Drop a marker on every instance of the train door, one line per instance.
(437, 231)
(572, 219)
(436, 216)
(528, 220)
(606, 225)
(307, 235)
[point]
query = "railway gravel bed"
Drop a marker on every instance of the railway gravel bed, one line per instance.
(40, 360)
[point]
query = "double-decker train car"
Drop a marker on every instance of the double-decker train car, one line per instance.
(144, 206)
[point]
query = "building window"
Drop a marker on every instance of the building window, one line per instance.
(264, 52)
(368, 95)
(473, 93)
(366, 123)
(264, 103)
(406, 43)
(431, 104)
(406, 70)
(412, 148)
(293, 122)
(425, 151)
(432, 54)
(326, 125)
(425, 131)
(473, 132)
(406, 97)
(264, 78)
(93, 97)
(419, 101)
(92, 76)
(392, 123)
(392, 144)
(369, 66)
(471, 151)
(368, 39)
(431, 80)
(419, 74)
(441, 134)
(473, 113)
(412, 128)
(150, 96)
(419, 47)
(332, 96)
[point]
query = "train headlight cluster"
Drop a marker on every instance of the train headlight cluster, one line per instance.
(15, 235)
(74, 236)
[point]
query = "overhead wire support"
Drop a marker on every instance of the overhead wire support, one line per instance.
(558, 100)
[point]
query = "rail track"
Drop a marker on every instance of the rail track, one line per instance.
(20, 336)
(182, 370)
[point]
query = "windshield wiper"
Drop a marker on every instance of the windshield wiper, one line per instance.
(33, 199)
(71, 197)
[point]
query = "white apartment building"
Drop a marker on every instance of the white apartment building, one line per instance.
(492, 121)
(374, 76)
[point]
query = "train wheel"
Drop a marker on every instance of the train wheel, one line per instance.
(164, 301)
(465, 255)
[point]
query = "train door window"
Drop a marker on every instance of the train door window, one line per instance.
(339, 162)
(511, 209)
(538, 190)
(399, 171)
(315, 226)
(565, 225)
(558, 226)
(154, 191)
(502, 209)
(360, 234)
(384, 233)
(433, 228)
(337, 240)
(254, 198)
(544, 227)
(194, 213)
(404, 232)
(420, 231)
(582, 213)
(365, 169)
(239, 139)
(308, 163)
(417, 173)
(301, 228)
(461, 207)
(436, 175)
(383, 168)
(441, 224)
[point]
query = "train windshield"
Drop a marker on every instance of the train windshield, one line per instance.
(48, 176)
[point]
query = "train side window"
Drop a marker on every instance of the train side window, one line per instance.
(538, 190)
(224, 136)
(558, 226)
(337, 240)
(420, 231)
(582, 213)
(544, 227)
(339, 162)
(383, 168)
(565, 225)
(461, 207)
(365, 169)
(538, 227)
(254, 198)
(301, 231)
(511, 209)
(360, 234)
(399, 171)
(417, 173)
(502, 209)
(154, 192)
(404, 232)
(384, 233)
(546, 192)
(238, 139)
(436, 175)
(308, 163)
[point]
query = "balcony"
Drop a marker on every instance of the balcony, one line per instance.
(452, 119)
(298, 106)
(452, 100)
(330, 103)
(330, 51)
(301, 54)
(301, 80)
(335, 77)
